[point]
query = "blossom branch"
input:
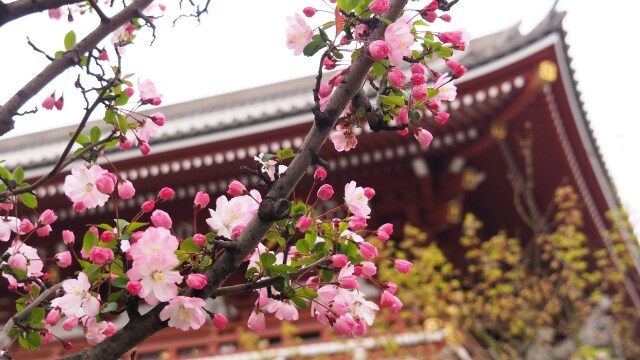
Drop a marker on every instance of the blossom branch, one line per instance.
(5, 340)
(17, 9)
(139, 329)
(66, 61)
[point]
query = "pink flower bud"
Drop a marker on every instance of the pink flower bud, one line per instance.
(43, 230)
(309, 11)
(445, 17)
(103, 55)
(199, 239)
(160, 218)
(125, 144)
(361, 32)
(63, 259)
(201, 200)
(94, 230)
(383, 236)
(220, 321)
(391, 287)
(348, 282)
(357, 222)
(166, 193)
(417, 69)
(144, 147)
(339, 260)
(329, 64)
(70, 323)
(402, 266)
(403, 116)
(325, 192)
(59, 103)
(391, 301)
(379, 7)
(442, 117)
(110, 330)
(136, 236)
(237, 230)
(106, 183)
(325, 90)
(68, 237)
(367, 250)
(49, 102)
(47, 217)
(67, 345)
(403, 132)
(419, 92)
(52, 317)
(458, 70)
(17, 262)
(368, 268)
(106, 236)
(418, 79)
(158, 118)
(423, 136)
(148, 206)
(397, 77)
(129, 91)
(320, 174)
(196, 281)
(134, 287)
(386, 228)
(304, 223)
(236, 188)
(6, 206)
(26, 226)
(379, 49)
(126, 189)
(369, 193)
(100, 256)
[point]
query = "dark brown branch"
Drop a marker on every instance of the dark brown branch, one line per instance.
(103, 18)
(36, 49)
(137, 330)
(20, 8)
(69, 59)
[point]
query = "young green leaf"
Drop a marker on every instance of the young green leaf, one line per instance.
(69, 40)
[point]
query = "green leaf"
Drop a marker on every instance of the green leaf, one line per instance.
(36, 316)
(327, 25)
(123, 99)
(300, 302)
(414, 115)
(313, 47)
(93, 272)
(135, 226)
(104, 227)
(58, 54)
(18, 174)
(112, 306)
(115, 296)
(5, 174)
(393, 100)
(432, 92)
(31, 341)
(110, 117)
(69, 40)
(119, 283)
(29, 200)
(303, 246)
(444, 52)
(89, 241)
(347, 5)
(83, 61)
(306, 292)
(324, 36)
(83, 140)
(286, 154)
(378, 69)
(282, 268)
(95, 134)
(267, 260)
(123, 124)
(298, 208)
(189, 246)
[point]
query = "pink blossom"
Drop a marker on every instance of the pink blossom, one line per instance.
(166, 193)
(100, 256)
(26, 226)
(357, 222)
(47, 217)
(325, 192)
(397, 77)
(97, 332)
(256, 321)
(309, 11)
(329, 64)
(230, 213)
(161, 219)
(55, 14)
(220, 321)
(379, 49)
(53, 317)
(63, 259)
(418, 79)
(77, 301)
(391, 287)
(80, 186)
(347, 279)
(403, 116)
(419, 92)
(106, 183)
(446, 90)
(43, 230)
(8, 224)
(6, 206)
(126, 189)
(299, 34)
(417, 68)
(445, 17)
(269, 166)
(459, 39)
(304, 223)
(148, 90)
(343, 140)
(199, 239)
(158, 118)
(424, 137)
(367, 250)
(403, 132)
(201, 200)
(154, 241)
(17, 262)
(339, 260)
(68, 237)
(237, 230)
(134, 287)
(196, 281)
(391, 301)
(23, 254)
(402, 266)
(344, 325)
(103, 55)
(368, 268)
(356, 200)
(320, 174)
(70, 323)
(458, 70)
(284, 310)
(148, 206)
(369, 192)
(379, 6)
(398, 36)
(107, 236)
(361, 32)
(236, 188)
(442, 117)
(184, 313)
(156, 276)
(49, 102)
(325, 90)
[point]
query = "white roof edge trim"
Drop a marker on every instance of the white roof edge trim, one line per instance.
(195, 140)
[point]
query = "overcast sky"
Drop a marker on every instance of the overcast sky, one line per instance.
(241, 44)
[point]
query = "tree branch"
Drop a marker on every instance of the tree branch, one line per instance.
(139, 329)
(5, 340)
(20, 8)
(69, 59)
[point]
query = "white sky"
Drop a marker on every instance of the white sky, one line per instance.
(241, 44)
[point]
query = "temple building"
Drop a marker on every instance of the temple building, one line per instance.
(517, 132)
